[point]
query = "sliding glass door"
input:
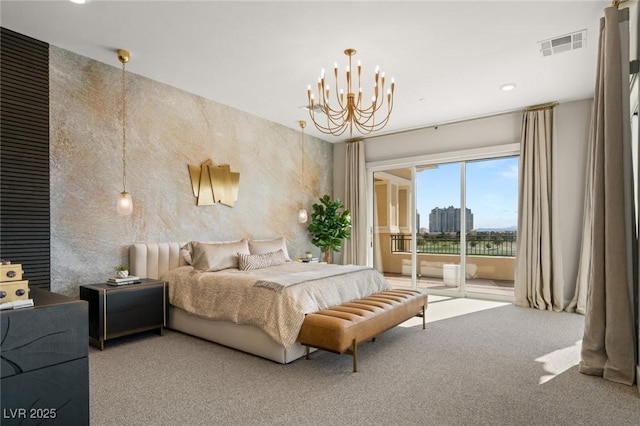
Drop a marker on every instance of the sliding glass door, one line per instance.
(448, 227)
(492, 216)
(392, 229)
(439, 197)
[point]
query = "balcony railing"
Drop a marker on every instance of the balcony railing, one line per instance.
(480, 245)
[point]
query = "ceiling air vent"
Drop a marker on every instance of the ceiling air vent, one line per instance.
(564, 43)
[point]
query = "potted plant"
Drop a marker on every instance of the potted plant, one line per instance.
(330, 225)
(308, 254)
(122, 271)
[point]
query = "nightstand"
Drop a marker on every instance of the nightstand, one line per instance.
(116, 311)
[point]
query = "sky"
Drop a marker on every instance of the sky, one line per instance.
(492, 191)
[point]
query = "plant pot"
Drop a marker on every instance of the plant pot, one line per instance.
(122, 274)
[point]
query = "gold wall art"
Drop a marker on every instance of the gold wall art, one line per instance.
(213, 184)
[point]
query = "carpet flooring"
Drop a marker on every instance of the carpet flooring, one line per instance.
(477, 363)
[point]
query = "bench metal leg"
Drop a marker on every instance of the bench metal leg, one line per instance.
(424, 321)
(307, 357)
(355, 355)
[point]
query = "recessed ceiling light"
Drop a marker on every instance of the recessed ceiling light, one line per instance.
(507, 87)
(79, 1)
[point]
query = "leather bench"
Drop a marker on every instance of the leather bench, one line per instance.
(339, 329)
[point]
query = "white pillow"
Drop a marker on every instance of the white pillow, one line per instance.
(269, 246)
(215, 257)
(249, 262)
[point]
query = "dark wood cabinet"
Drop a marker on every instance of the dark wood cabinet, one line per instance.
(116, 311)
(45, 365)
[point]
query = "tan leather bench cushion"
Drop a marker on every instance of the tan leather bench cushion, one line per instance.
(335, 329)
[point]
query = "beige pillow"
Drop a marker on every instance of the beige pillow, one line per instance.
(249, 262)
(269, 246)
(215, 257)
(186, 251)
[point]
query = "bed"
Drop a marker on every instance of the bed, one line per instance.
(248, 300)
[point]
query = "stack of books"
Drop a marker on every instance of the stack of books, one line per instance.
(124, 281)
(16, 304)
(309, 260)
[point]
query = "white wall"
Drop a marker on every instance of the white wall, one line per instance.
(572, 126)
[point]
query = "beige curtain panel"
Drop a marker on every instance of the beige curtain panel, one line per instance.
(608, 346)
(537, 263)
(355, 249)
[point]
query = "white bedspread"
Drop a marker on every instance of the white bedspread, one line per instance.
(231, 295)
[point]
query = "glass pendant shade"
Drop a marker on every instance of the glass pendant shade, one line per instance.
(125, 204)
(302, 215)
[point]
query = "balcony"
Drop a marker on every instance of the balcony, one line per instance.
(490, 262)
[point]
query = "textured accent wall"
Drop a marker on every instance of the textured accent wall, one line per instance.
(167, 130)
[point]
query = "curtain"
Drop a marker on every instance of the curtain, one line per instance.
(538, 262)
(355, 248)
(608, 345)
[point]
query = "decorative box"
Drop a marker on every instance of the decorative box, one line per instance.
(11, 272)
(14, 290)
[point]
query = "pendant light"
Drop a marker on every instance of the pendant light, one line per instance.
(125, 204)
(302, 213)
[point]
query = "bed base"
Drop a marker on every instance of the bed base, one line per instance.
(246, 338)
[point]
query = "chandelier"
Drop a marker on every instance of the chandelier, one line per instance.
(352, 111)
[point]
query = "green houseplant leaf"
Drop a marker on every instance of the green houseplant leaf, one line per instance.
(330, 225)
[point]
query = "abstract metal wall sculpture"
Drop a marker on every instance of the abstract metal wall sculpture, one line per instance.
(214, 184)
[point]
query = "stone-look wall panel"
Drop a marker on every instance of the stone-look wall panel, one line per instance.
(166, 129)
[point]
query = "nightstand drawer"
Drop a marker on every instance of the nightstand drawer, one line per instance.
(143, 317)
(134, 298)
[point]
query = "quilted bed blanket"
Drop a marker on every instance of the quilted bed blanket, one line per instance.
(276, 298)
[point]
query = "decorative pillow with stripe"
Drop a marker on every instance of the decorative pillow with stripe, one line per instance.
(249, 262)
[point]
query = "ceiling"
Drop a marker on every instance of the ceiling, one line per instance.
(448, 58)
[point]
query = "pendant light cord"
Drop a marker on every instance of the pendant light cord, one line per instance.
(302, 178)
(124, 130)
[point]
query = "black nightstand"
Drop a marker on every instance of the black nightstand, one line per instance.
(116, 311)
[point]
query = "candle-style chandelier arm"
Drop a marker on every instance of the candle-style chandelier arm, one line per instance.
(350, 110)
(333, 125)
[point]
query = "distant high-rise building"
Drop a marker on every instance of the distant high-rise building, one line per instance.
(447, 219)
(417, 220)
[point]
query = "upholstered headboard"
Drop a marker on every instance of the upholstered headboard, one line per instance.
(151, 260)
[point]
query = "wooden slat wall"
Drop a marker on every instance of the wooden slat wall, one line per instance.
(24, 155)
